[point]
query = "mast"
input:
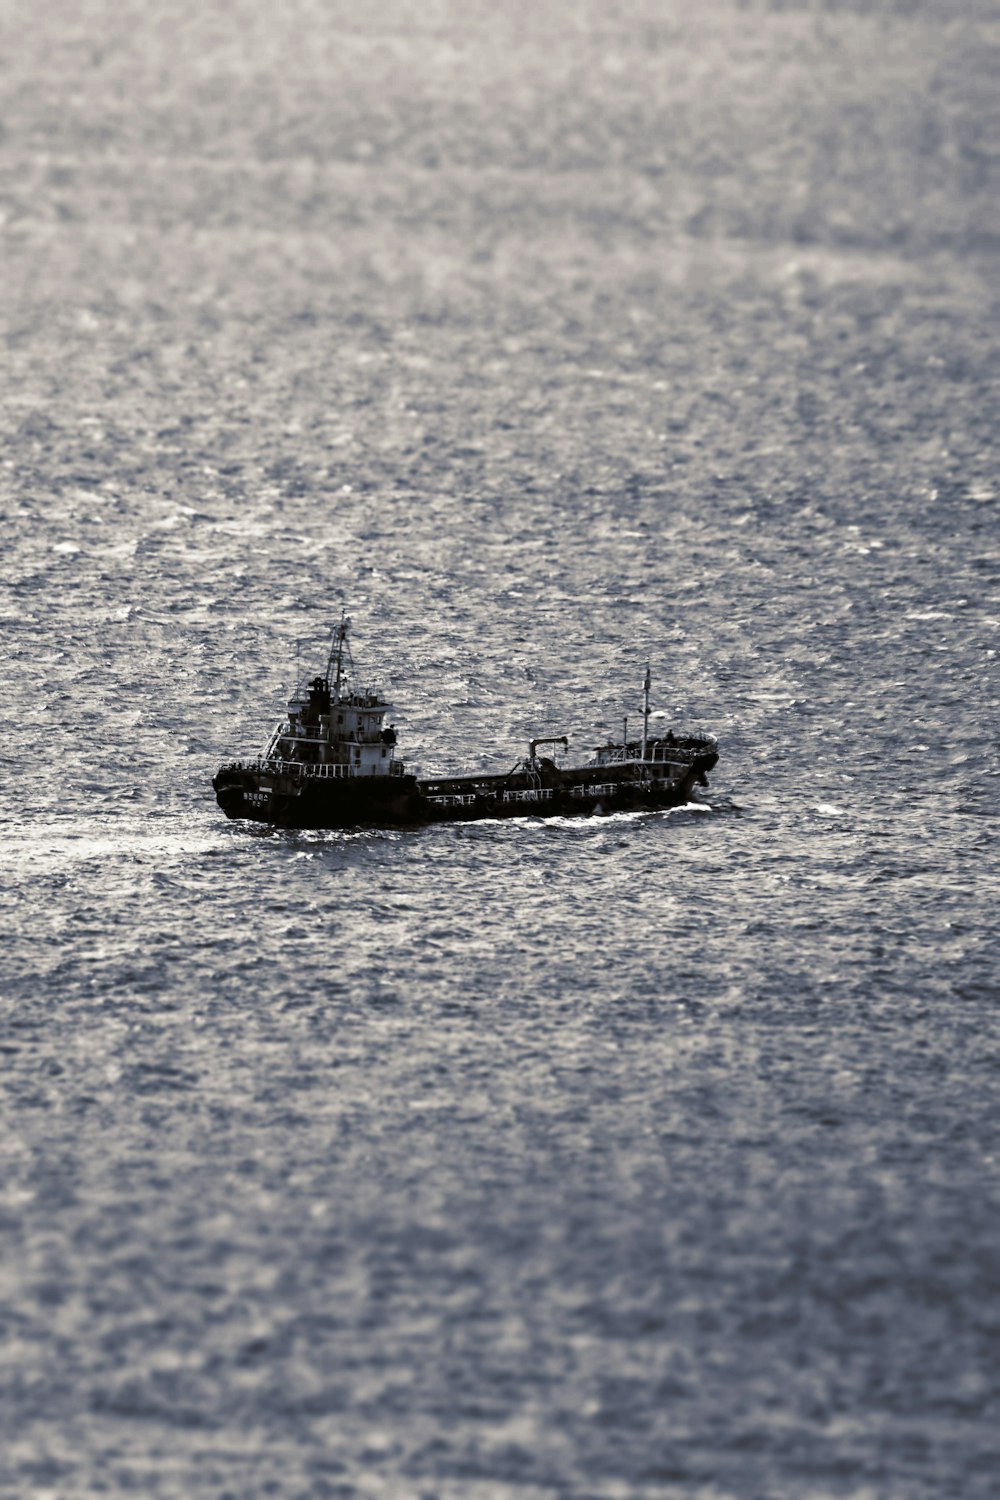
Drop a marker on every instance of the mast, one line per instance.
(647, 683)
(336, 658)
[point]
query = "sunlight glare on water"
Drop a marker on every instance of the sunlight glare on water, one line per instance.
(635, 1156)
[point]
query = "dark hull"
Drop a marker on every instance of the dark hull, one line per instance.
(291, 797)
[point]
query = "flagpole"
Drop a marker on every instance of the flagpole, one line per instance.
(645, 712)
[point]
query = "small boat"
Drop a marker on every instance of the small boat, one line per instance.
(332, 762)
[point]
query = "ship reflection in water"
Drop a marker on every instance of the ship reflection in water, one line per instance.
(331, 763)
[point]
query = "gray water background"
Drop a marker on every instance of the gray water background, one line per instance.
(634, 1157)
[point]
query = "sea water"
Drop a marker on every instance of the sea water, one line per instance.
(635, 1156)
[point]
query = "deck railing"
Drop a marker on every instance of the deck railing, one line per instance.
(270, 765)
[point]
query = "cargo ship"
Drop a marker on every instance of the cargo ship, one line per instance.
(332, 762)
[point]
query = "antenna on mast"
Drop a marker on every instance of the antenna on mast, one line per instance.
(335, 662)
(647, 684)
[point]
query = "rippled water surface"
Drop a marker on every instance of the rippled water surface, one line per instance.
(638, 1156)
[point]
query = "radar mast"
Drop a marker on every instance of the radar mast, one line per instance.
(338, 650)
